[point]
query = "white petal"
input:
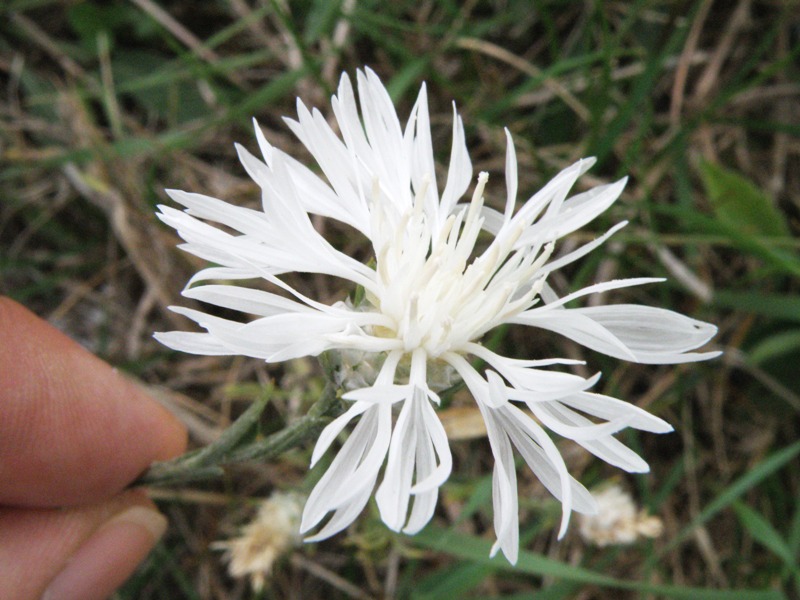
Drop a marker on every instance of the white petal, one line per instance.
(286, 328)
(530, 384)
(292, 334)
(580, 252)
(535, 432)
(220, 274)
(327, 149)
(497, 390)
(551, 195)
(476, 384)
(429, 477)
(487, 355)
(256, 169)
(417, 441)
(546, 464)
(334, 428)
(380, 393)
(551, 477)
(493, 220)
(573, 214)
(244, 220)
(193, 343)
(435, 433)
(344, 516)
(423, 170)
(652, 335)
(511, 177)
(248, 300)
(347, 484)
(617, 454)
(606, 407)
(592, 289)
(263, 145)
(459, 173)
(504, 487)
(219, 330)
(394, 492)
(588, 431)
(421, 511)
(578, 328)
(385, 137)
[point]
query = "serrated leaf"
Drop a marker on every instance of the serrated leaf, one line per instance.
(738, 202)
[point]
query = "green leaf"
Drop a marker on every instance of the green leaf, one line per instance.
(794, 531)
(779, 344)
(732, 493)
(775, 306)
(266, 95)
(764, 533)
(407, 77)
(174, 99)
(451, 583)
(477, 550)
(763, 247)
(740, 203)
(320, 20)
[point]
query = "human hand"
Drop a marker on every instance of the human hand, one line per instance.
(73, 433)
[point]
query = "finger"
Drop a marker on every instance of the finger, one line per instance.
(81, 553)
(72, 429)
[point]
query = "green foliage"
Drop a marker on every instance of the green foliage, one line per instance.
(477, 551)
(92, 19)
(738, 203)
(764, 533)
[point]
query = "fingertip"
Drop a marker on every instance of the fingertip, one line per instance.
(166, 433)
(170, 430)
(175, 437)
(73, 429)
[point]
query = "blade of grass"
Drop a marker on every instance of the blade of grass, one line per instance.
(730, 494)
(775, 306)
(764, 533)
(451, 583)
(641, 90)
(774, 346)
(477, 550)
(760, 247)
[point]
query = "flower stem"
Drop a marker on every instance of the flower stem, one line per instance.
(291, 436)
(233, 447)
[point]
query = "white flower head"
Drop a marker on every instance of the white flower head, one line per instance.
(428, 301)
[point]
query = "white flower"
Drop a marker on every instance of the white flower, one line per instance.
(428, 301)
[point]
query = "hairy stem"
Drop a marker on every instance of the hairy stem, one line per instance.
(230, 448)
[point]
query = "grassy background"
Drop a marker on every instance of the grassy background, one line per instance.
(105, 103)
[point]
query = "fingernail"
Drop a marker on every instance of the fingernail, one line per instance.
(109, 556)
